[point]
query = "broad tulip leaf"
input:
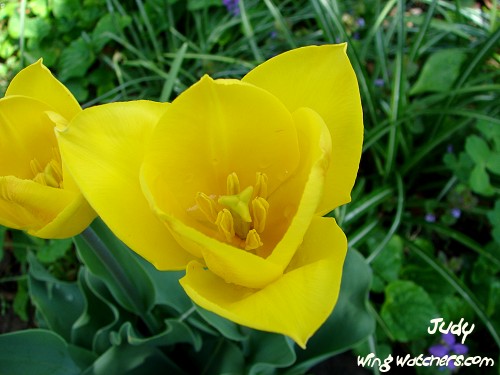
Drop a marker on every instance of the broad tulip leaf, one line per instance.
(39, 352)
(226, 327)
(133, 360)
(402, 297)
(267, 352)
(117, 266)
(175, 332)
(60, 303)
(219, 356)
(89, 330)
(168, 291)
(351, 321)
(440, 71)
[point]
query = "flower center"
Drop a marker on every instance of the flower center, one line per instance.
(240, 215)
(50, 175)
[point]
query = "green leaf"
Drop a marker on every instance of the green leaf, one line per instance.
(194, 5)
(440, 71)
(267, 352)
(54, 250)
(407, 310)
(60, 303)
(118, 267)
(480, 181)
(65, 8)
(219, 356)
(20, 304)
(2, 240)
(477, 149)
(227, 328)
(493, 163)
(168, 290)
(349, 324)
(387, 264)
(36, 352)
(133, 360)
(91, 329)
(175, 332)
(111, 23)
(75, 60)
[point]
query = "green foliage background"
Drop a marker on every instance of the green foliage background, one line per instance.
(425, 212)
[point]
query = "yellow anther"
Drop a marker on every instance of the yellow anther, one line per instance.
(253, 241)
(233, 184)
(225, 224)
(238, 203)
(35, 167)
(207, 206)
(51, 175)
(261, 185)
(259, 210)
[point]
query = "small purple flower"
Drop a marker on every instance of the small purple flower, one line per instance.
(456, 212)
(448, 346)
(232, 6)
(430, 218)
(449, 149)
(361, 22)
(379, 82)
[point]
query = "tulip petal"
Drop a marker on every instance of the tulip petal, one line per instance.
(37, 82)
(75, 217)
(27, 205)
(25, 134)
(304, 186)
(233, 265)
(103, 148)
(321, 78)
(297, 303)
(211, 130)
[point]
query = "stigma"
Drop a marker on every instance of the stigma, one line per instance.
(239, 216)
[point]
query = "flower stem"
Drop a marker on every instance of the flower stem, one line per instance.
(123, 282)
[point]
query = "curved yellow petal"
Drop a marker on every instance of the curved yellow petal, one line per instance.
(295, 202)
(321, 78)
(37, 82)
(232, 264)
(297, 303)
(211, 130)
(27, 205)
(103, 148)
(25, 134)
(75, 217)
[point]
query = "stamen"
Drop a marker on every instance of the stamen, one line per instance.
(233, 184)
(225, 224)
(207, 206)
(243, 215)
(259, 209)
(261, 185)
(35, 167)
(51, 175)
(253, 241)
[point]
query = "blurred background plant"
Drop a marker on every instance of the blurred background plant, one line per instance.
(426, 207)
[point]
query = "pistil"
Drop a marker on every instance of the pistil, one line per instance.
(240, 215)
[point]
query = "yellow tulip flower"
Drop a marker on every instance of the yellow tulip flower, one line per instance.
(36, 193)
(230, 181)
